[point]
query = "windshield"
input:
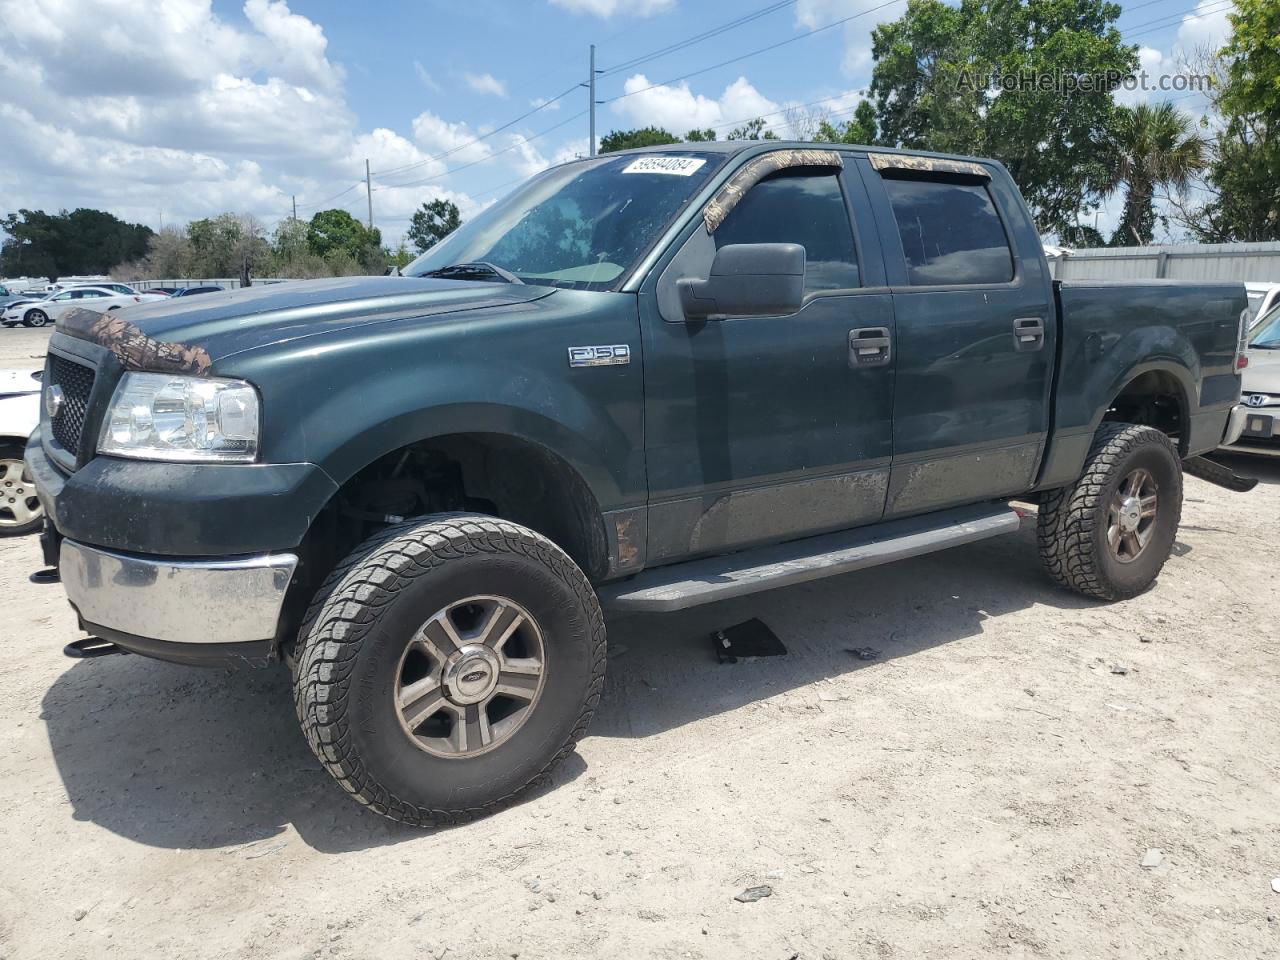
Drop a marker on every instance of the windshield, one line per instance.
(1267, 334)
(580, 225)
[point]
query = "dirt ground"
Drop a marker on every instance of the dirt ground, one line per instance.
(988, 786)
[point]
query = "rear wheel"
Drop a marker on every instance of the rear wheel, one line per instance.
(447, 666)
(1109, 535)
(20, 510)
(35, 318)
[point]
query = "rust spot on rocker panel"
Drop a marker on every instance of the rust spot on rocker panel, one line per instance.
(628, 549)
(135, 349)
(753, 172)
(893, 161)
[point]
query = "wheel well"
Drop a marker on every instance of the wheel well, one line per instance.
(498, 475)
(1154, 399)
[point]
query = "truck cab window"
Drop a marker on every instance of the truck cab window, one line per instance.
(801, 207)
(951, 233)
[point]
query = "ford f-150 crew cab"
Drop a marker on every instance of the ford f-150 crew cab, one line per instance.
(642, 381)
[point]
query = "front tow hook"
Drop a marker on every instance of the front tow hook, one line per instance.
(1217, 474)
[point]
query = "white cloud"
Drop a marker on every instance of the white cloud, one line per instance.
(545, 103)
(485, 83)
(604, 9)
(1162, 74)
(856, 61)
(678, 109)
(456, 139)
(424, 77)
(143, 106)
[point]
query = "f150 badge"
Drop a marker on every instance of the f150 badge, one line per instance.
(599, 356)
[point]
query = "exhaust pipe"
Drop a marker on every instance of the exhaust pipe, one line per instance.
(1216, 473)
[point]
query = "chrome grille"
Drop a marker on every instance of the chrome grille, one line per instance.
(76, 381)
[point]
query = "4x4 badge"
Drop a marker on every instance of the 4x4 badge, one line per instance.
(599, 356)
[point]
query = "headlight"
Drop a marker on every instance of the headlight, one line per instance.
(157, 416)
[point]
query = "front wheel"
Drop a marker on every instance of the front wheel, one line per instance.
(20, 509)
(447, 665)
(1109, 535)
(35, 318)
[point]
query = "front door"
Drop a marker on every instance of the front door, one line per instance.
(975, 338)
(763, 429)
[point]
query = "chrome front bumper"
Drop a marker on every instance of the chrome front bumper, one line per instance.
(177, 601)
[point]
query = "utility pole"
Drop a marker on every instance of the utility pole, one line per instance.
(591, 84)
(368, 190)
(294, 198)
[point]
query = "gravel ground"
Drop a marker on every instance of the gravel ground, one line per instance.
(988, 786)
(22, 348)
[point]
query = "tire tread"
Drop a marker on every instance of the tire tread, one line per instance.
(345, 610)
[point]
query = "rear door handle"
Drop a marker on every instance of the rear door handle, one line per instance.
(1028, 333)
(869, 347)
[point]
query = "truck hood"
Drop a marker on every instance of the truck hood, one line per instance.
(1262, 375)
(191, 333)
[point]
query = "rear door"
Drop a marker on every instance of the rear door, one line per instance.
(762, 429)
(975, 332)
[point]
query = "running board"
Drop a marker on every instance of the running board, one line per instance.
(732, 575)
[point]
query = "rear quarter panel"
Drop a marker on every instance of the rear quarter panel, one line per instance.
(1113, 332)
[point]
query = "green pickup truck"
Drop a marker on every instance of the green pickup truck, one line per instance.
(641, 382)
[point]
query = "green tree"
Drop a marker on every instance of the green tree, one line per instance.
(1028, 82)
(335, 232)
(1082, 237)
(400, 257)
(751, 130)
(433, 222)
(228, 245)
(861, 129)
(700, 136)
(1244, 164)
(629, 139)
(1153, 146)
(80, 242)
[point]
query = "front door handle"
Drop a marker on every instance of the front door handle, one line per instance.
(1028, 333)
(869, 347)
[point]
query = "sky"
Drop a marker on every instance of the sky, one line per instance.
(162, 111)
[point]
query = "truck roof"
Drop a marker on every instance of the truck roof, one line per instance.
(737, 146)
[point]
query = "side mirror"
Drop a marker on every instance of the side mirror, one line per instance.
(747, 280)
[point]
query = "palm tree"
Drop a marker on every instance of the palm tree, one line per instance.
(1154, 147)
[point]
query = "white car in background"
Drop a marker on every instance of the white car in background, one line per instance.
(38, 313)
(1262, 297)
(20, 511)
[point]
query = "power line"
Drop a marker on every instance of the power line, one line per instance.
(1169, 20)
(482, 137)
(754, 53)
(484, 159)
(698, 38)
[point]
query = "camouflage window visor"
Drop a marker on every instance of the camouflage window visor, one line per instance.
(894, 161)
(728, 196)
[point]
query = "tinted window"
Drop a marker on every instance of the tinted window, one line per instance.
(950, 232)
(804, 208)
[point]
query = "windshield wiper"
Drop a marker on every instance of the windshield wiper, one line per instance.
(474, 268)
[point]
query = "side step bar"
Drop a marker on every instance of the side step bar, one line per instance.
(719, 578)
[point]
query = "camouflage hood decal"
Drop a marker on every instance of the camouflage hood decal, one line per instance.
(754, 171)
(135, 349)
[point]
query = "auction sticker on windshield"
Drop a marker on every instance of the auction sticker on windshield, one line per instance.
(676, 166)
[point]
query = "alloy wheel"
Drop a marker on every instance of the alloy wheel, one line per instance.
(1131, 515)
(470, 676)
(18, 502)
